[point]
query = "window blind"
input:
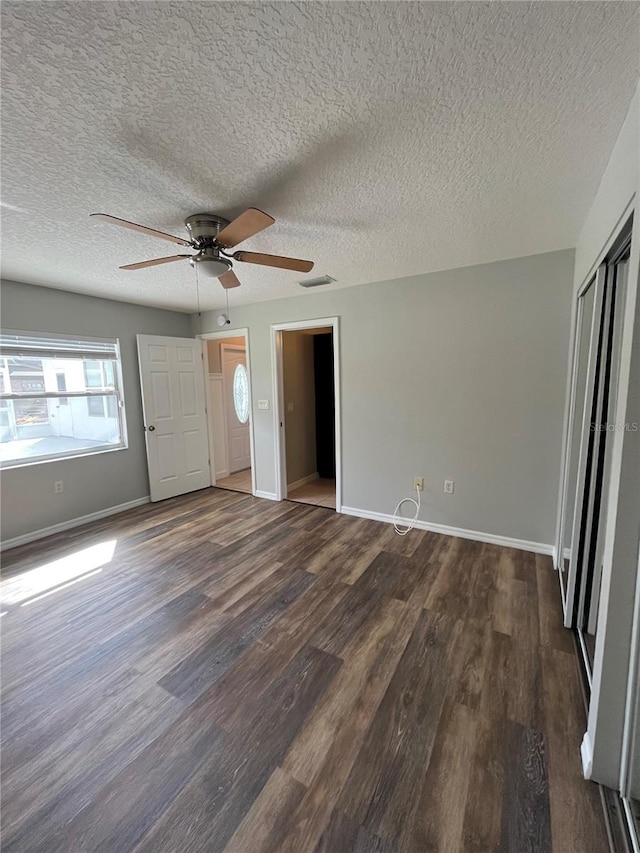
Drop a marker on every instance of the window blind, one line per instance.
(56, 346)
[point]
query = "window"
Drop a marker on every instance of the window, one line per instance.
(241, 393)
(59, 397)
(99, 374)
(61, 382)
(95, 407)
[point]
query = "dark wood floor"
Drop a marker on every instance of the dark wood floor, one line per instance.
(251, 676)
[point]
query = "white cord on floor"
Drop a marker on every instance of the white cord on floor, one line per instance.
(410, 522)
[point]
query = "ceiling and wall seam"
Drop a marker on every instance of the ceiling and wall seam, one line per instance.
(388, 139)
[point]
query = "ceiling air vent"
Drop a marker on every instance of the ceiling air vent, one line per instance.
(316, 282)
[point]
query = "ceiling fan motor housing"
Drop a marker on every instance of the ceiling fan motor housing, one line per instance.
(203, 228)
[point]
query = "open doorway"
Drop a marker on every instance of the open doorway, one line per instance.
(229, 411)
(307, 413)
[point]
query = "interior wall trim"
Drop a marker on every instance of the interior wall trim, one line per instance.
(476, 535)
(268, 496)
(72, 522)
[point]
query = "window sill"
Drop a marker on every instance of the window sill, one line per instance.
(61, 457)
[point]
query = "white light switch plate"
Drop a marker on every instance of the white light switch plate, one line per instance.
(263, 404)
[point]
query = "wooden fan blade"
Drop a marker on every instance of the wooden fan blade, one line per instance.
(243, 227)
(142, 264)
(229, 279)
(274, 261)
(133, 226)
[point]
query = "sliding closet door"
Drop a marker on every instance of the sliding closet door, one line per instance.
(601, 492)
(591, 309)
(597, 356)
(603, 428)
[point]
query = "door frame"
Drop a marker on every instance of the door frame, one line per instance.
(563, 522)
(212, 336)
(278, 398)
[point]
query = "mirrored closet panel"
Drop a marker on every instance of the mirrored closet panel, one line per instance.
(589, 442)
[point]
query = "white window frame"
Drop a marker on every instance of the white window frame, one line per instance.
(47, 346)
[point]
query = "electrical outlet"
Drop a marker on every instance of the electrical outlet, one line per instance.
(449, 486)
(418, 483)
(58, 487)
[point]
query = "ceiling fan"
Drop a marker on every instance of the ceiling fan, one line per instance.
(211, 235)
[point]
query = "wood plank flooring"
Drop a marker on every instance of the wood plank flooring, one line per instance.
(221, 673)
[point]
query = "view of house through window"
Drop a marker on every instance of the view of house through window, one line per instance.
(58, 397)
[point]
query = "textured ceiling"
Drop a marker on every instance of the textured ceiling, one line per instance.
(387, 139)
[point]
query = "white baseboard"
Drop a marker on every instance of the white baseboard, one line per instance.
(476, 535)
(73, 522)
(269, 496)
(303, 482)
(586, 752)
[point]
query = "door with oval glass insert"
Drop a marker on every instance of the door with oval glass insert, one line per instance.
(237, 406)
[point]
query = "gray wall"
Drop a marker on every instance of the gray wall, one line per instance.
(91, 483)
(299, 391)
(458, 375)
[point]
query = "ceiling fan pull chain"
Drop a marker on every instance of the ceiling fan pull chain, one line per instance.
(198, 291)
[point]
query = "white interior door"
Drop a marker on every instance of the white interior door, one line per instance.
(173, 400)
(236, 406)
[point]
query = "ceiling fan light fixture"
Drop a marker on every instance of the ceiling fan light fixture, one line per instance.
(210, 263)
